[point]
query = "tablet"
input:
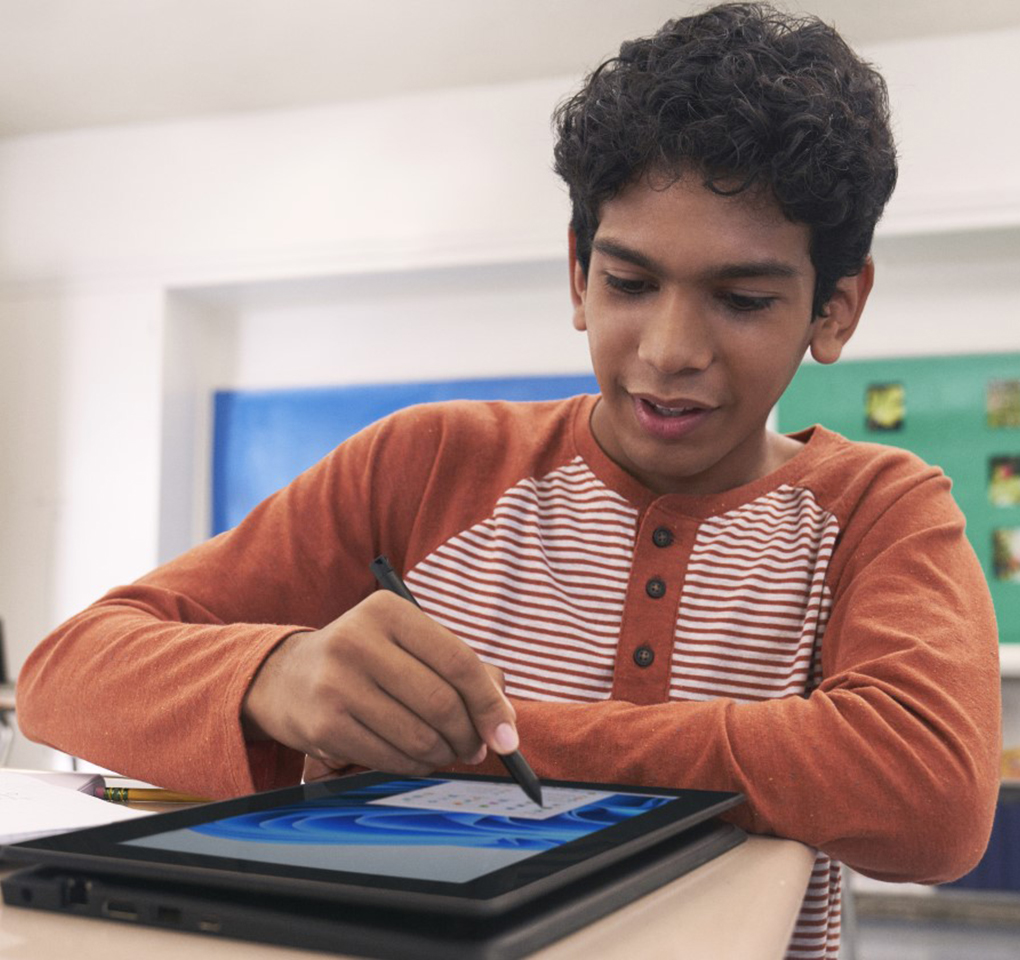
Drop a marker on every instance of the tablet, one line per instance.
(369, 931)
(452, 845)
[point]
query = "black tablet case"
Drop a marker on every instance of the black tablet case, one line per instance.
(384, 934)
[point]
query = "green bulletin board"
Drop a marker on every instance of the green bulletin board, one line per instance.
(960, 413)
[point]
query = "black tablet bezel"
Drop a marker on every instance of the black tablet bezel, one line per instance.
(101, 849)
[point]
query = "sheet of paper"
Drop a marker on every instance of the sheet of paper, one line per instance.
(73, 779)
(496, 799)
(31, 808)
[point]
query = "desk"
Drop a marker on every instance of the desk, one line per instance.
(740, 906)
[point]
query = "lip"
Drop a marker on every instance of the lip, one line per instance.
(674, 426)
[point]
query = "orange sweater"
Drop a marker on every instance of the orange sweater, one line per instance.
(821, 639)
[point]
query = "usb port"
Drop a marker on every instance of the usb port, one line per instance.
(209, 924)
(120, 910)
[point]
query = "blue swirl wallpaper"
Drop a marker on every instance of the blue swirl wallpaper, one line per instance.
(411, 828)
(351, 818)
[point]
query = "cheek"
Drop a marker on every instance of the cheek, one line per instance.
(598, 340)
(611, 349)
(614, 331)
(765, 367)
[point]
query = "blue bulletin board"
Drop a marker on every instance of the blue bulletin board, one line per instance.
(960, 413)
(262, 439)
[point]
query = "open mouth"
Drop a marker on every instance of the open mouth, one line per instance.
(669, 421)
(672, 411)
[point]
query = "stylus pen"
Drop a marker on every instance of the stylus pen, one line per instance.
(515, 764)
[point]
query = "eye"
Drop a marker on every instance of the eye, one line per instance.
(743, 303)
(627, 286)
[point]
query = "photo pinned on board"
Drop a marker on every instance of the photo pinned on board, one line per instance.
(1004, 481)
(1003, 404)
(1006, 554)
(885, 406)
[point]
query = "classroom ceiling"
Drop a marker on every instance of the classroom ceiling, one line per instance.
(66, 64)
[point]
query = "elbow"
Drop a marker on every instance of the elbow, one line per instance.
(44, 709)
(938, 837)
(939, 857)
(916, 801)
(34, 714)
(26, 701)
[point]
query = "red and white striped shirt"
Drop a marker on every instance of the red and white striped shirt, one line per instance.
(821, 639)
(539, 588)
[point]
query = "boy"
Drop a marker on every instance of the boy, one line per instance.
(670, 593)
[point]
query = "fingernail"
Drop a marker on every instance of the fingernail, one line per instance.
(479, 756)
(505, 738)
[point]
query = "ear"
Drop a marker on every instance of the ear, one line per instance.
(833, 329)
(578, 283)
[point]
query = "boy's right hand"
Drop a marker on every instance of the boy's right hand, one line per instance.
(384, 686)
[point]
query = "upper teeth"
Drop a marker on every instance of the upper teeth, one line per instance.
(672, 411)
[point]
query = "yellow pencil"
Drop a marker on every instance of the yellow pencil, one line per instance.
(145, 795)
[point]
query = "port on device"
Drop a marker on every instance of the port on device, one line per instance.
(209, 924)
(167, 914)
(120, 910)
(76, 890)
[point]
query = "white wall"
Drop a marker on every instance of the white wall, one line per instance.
(943, 293)
(410, 237)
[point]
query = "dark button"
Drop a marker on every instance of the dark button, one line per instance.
(662, 537)
(655, 588)
(644, 656)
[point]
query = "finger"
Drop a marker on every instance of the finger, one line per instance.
(354, 702)
(435, 733)
(365, 747)
(370, 676)
(321, 770)
(425, 714)
(495, 674)
(499, 678)
(490, 712)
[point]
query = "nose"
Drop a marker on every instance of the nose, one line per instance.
(675, 336)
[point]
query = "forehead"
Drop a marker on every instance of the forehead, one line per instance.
(683, 219)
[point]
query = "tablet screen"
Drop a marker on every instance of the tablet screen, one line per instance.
(453, 842)
(422, 829)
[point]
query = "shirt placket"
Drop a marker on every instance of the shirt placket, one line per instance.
(661, 551)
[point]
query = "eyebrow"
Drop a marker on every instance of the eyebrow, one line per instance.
(729, 271)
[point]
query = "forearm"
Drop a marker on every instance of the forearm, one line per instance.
(852, 772)
(127, 685)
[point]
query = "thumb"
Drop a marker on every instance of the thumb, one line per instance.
(492, 713)
(504, 736)
(321, 770)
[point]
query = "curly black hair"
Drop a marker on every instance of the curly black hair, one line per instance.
(750, 98)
